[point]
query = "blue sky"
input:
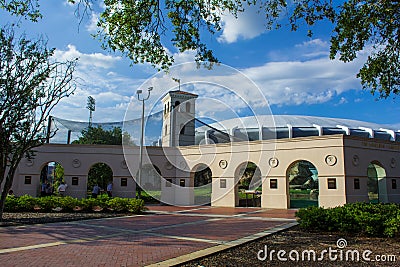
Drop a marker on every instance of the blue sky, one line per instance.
(292, 70)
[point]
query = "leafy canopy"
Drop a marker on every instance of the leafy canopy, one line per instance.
(99, 136)
(140, 29)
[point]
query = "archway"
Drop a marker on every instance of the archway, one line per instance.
(150, 183)
(377, 190)
(248, 185)
(303, 186)
(201, 175)
(100, 174)
(51, 175)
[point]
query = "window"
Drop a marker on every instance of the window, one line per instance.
(273, 183)
(394, 184)
(165, 109)
(187, 106)
(166, 129)
(222, 183)
(124, 181)
(28, 180)
(182, 182)
(331, 183)
(177, 103)
(168, 183)
(356, 183)
(75, 181)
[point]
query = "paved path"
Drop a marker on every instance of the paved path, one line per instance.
(166, 236)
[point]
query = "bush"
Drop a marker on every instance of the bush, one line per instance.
(126, 205)
(49, 203)
(369, 219)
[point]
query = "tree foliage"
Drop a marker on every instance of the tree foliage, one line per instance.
(140, 29)
(31, 84)
(99, 136)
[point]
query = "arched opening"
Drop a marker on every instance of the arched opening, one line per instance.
(377, 190)
(182, 131)
(248, 185)
(51, 176)
(202, 184)
(150, 183)
(187, 106)
(99, 174)
(303, 186)
(177, 103)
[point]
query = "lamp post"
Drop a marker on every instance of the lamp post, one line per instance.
(139, 92)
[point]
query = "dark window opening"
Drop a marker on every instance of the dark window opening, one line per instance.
(273, 183)
(222, 183)
(28, 180)
(331, 183)
(75, 181)
(356, 183)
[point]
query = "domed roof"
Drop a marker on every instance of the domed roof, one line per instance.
(291, 126)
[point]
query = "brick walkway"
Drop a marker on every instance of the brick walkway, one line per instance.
(165, 236)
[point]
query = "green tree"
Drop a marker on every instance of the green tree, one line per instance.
(140, 29)
(100, 174)
(31, 84)
(99, 136)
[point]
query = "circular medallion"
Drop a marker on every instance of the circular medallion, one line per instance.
(223, 164)
(330, 160)
(168, 165)
(393, 162)
(29, 162)
(76, 163)
(124, 165)
(356, 160)
(273, 162)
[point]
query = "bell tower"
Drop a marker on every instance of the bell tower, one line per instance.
(178, 119)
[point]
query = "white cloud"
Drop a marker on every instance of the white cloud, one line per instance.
(97, 60)
(91, 26)
(247, 25)
(97, 76)
(305, 82)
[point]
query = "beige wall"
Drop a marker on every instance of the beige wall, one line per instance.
(333, 156)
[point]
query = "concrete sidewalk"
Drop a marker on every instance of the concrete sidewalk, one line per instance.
(164, 237)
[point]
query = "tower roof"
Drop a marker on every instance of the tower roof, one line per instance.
(181, 93)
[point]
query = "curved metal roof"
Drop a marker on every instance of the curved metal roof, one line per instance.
(291, 126)
(296, 121)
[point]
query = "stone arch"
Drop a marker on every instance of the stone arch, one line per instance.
(248, 181)
(99, 173)
(201, 181)
(52, 173)
(302, 184)
(377, 188)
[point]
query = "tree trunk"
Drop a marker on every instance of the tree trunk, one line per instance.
(7, 185)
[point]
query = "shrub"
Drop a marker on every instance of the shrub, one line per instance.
(11, 204)
(370, 219)
(26, 203)
(49, 203)
(118, 204)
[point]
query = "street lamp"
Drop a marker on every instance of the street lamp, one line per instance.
(139, 92)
